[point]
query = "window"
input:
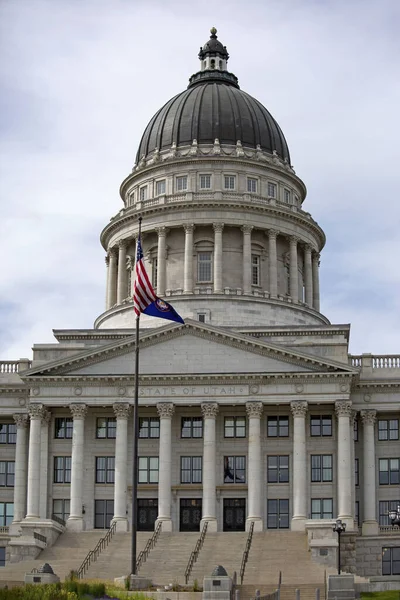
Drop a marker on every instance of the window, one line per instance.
(278, 469)
(63, 428)
(8, 433)
(143, 194)
(322, 508)
(388, 429)
(356, 472)
(191, 467)
(149, 427)
(357, 513)
(205, 182)
(7, 472)
(321, 425)
(61, 509)
(201, 317)
(181, 183)
(235, 427)
(103, 513)
(286, 196)
(321, 467)
(148, 469)
(389, 471)
(271, 190)
(204, 266)
(384, 507)
(6, 513)
(229, 182)
(192, 427)
(106, 427)
(391, 561)
(278, 426)
(251, 184)
(234, 469)
(154, 272)
(278, 514)
(105, 469)
(62, 469)
(2, 556)
(255, 269)
(160, 187)
(355, 430)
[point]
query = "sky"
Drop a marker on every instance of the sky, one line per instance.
(80, 79)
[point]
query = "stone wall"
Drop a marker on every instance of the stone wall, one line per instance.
(368, 553)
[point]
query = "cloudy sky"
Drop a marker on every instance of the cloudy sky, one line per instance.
(80, 79)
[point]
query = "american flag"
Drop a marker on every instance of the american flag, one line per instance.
(143, 293)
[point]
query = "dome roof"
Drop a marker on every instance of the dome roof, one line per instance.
(213, 46)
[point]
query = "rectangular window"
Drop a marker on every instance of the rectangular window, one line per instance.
(286, 196)
(278, 426)
(321, 425)
(271, 190)
(160, 187)
(255, 269)
(278, 514)
(6, 513)
(384, 507)
(278, 469)
(106, 427)
(105, 469)
(356, 472)
(204, 266)
(357, 513)
(181, 183)
(148, 469)
(235, 427)
(251, 184)
(389, 471)
(61, 509)
(322, 508)
(62, 469)
(391, 561)
(103, 513)
(229, 182)
(234, 469)
(63, 428)
(191, 467)
(205, 182)
(201, 317)
(7, 473)
(149, 427)
(143, 193)
(154, 272)
(2, 556)
(321, 467)
(192, 427)
(355, 430)
(388, 429)
(8, 433)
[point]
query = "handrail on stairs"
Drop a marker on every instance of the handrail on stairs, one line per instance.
(92, 555)
(142, 556)
(246, 552)
(195, 554)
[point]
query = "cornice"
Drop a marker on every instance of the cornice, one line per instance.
(378, 386)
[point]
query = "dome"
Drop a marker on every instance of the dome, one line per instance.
(213, 46)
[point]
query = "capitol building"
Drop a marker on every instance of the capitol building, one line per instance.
(252, 413)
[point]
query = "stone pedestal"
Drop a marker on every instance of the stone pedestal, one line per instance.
(341, 587)
(137, 582)
(217, 587)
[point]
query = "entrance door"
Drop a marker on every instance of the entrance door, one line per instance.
(278, 514)
(234, 514)
(190, 514)
(103, 513)
(147, 513)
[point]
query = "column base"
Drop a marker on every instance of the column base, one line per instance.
(212, 526)
(298, 524)
(121, 524)
(370, 528)
(258, 524)
(166, 524)
(75, 524)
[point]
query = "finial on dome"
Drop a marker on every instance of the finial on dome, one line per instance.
(213, 32)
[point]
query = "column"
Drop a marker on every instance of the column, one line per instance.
(272, 263)
(246, 229)
(354, 414)
(112, 278)
(107, 261)
(294, 273)
(21, 421)
(122, 289)
(33, 494)
(345, 467)
(165, 411)
(218, 227)
(161, 261)
(188, 267)
(133, 263)
(75, 520)
(210, 411)
(315, 277)
(299, 411)
(308, 283)
(254, 469)
(44, 464)
(121, 410)
(370, 525)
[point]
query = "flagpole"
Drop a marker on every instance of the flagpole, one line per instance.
(135, 442)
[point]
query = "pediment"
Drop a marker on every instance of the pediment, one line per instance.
(192, 348)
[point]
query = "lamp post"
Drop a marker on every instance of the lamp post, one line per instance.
(394, 516)
(339, 527)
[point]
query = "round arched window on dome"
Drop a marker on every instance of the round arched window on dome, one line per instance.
(212, 63)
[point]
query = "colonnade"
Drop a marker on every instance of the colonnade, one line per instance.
(117, 277)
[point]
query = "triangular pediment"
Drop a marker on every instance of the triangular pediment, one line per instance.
(192, 348)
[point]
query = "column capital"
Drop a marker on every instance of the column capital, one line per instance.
(254, 409)
(316, 256)
(122, 243)
(218, 227)
(46, 417)
(294, 240)
(165, 410)
(161, 231)
(272, 233)
(112, 252)
(78, 410)
(36, 411)
(21, 420)
(247, 229)
(368, 417)
(308, 248)
(189, 227)
(299, 408)
(121, 410)
(343, 408)
(209, 410)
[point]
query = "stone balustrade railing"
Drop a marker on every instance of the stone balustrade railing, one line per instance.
(4, 529)
(383, 361)
(14, 366)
